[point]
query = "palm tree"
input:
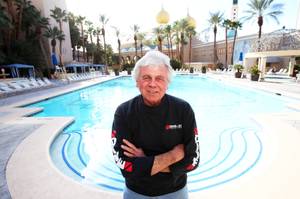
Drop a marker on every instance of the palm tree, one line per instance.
(176, 30)
(4, 19)
(74, 33)
(214, 21)
(141, 37)
(119, 43)
(90, 30)
(97, 33)
(263, 8)
(135, 29)
(104, 20)
(226, 24)
(168, 32)
(23, 6)
(42, 23)
(60, 16)
(234, 25)
(158, 31)
(5, 28)
(53, 33)
(80, 20)
(190, 31)
(183, 26)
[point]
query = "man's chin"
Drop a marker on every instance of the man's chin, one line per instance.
(152, 102)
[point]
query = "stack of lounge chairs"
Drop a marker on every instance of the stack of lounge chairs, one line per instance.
(82, 76)
(21, 85)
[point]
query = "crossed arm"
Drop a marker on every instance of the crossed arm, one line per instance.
(161, 162)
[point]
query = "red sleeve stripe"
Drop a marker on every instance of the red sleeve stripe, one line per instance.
(128, 166)
(113, 134)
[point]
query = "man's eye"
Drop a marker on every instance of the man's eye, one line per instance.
(160, 79)
(146, 78)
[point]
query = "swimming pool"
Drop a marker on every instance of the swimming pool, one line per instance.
(229, 139)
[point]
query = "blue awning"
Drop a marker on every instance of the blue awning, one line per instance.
(19, 66)
(15, 73)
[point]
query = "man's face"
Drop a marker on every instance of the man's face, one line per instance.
(153, 83)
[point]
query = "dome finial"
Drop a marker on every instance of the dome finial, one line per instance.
(191, 21)
(163, 16)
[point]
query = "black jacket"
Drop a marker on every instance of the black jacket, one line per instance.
(156, 130)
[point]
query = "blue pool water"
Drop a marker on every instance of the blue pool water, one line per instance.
(229, 139)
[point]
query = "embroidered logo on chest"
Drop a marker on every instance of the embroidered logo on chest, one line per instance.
(173, 126)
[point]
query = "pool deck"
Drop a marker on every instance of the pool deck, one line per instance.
(27, 171)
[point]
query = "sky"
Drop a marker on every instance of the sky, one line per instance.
(125, 13)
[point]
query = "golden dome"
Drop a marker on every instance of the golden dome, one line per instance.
(162, 17)
(191, 21)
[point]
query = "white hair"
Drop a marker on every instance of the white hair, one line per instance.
(153, 58)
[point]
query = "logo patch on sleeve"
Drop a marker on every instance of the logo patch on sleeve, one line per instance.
(173, 126)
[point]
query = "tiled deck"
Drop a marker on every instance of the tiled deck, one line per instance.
(30, 173)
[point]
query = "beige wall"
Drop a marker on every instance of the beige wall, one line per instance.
(204, 52)
(298, 17)
(45, 6)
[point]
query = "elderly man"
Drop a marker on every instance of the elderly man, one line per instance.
(154, 135)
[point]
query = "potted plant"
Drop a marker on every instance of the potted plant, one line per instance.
(116, 69)
(176, 64)
(129, 69)
(254, 71)
(238, 68)
(203, 69)
(191, 69)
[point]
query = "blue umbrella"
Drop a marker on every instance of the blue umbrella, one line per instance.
(241, 56)
(54, 59)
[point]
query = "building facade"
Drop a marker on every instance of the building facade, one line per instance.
(45, 6)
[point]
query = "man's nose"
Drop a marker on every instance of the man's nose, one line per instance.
(152, 82)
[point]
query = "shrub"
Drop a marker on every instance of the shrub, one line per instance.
(128, 66)
(176, 64)
(238, 67)
(254, 70)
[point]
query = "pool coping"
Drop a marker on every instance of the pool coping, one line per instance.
(25, 182)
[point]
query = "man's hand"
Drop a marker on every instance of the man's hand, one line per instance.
(163, 161)
(178, 152)
(131, 151)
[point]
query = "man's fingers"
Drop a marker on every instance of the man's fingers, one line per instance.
(126, 148)
(129, 144)
(131, 150)
(128, 154)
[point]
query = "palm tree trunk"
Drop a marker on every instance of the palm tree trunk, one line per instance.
(178, 51)
(42, 46)
(159, 44)
(226, 48)
(78, 55)
(260, 23)
(19, 23)
(215, 45)
(181, 47)
(83, 45)
(233, 45)
(141, 49)
(119, 50)
(12, 13)
(135, 46)
(190, 50)
(60, 53)
(73, 52)
(171, 48)
(105, 56)
(60, 46)
(168, 39)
